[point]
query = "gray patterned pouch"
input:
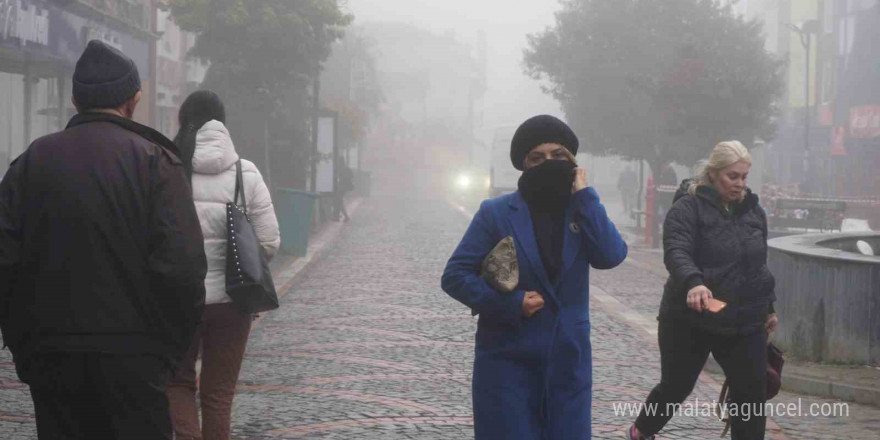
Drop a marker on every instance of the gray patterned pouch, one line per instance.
(501, 268)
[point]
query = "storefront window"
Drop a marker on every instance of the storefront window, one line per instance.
(47, 108)
(50, 109)
(12, 141)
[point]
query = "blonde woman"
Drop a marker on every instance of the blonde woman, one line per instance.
(715, 248)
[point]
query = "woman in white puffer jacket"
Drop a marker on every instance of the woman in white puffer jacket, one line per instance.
(208, 153)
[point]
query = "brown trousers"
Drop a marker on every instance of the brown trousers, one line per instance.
(222, 338)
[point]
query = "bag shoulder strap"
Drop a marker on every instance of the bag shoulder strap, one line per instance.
(722, 402)
(239, 187)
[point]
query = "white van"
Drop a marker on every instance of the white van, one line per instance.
(503, 177)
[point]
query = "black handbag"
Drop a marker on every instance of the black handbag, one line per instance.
(248, 278)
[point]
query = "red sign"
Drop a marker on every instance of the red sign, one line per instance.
(825, 118)
(838, 140)
(864, 121)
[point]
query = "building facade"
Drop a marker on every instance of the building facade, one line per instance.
(177, 75)
(856, 104)
(40, 42)
(828, 138)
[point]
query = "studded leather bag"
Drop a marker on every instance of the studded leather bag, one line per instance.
(248, 278)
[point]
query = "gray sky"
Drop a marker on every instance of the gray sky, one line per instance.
(512, 96)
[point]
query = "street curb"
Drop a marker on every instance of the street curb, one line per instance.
(611, 305)
(814, 386)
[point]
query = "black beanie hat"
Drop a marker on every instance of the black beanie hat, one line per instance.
(539, 130)
(104, 77)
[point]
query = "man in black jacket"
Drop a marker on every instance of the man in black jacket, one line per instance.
(102, 263)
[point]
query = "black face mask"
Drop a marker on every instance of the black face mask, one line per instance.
(548, 185)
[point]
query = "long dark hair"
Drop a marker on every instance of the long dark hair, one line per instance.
(198, 108)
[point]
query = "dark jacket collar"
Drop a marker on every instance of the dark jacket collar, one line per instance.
(682, 189)
(709, 194)
(132, 126)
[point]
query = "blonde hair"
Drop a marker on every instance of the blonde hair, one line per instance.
(723, 155)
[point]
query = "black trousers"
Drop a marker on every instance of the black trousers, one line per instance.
(99, 396)
(684, 349)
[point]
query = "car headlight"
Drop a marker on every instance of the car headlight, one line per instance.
(463, 181)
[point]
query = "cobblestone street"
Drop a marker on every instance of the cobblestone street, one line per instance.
(367, 346)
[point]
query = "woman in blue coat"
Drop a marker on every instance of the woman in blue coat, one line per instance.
(533, 362)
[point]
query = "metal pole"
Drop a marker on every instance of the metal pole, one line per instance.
(805, 39)
(62, 102)
(268, 163)
(641, 191)
(9, 108)
(313, 158)
(28, 104)
(470, 118)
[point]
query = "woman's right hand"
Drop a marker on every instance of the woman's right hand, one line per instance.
(698, 298)
(532, 303)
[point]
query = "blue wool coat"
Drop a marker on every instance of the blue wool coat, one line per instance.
(533, 376)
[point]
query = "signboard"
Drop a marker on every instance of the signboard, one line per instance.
(70, 33)
(864, 121)
(24, 23)
(326, 153)
(53, 33)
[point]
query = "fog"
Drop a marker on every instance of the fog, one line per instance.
(840, 96)
(511, 95)
(430, 85)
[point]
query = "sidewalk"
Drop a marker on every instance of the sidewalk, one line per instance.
(851, 383)
(286, 267)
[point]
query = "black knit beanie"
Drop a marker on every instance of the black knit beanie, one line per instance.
(104, 77)
(539, 130)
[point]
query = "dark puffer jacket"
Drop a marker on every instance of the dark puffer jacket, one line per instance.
(726, 252)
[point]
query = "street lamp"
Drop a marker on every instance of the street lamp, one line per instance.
(804, 31)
